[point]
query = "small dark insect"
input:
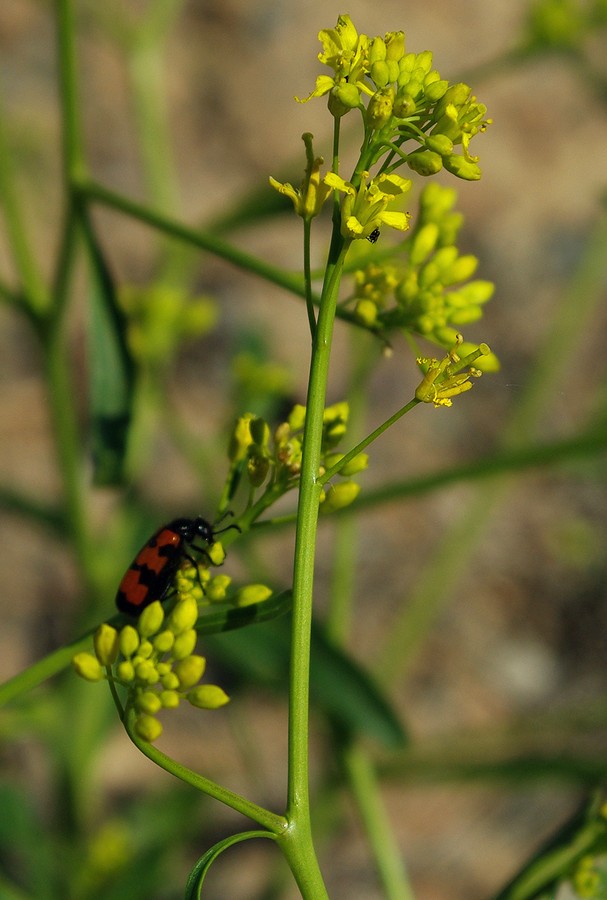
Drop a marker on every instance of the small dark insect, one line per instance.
(372, 238)
(150, 575)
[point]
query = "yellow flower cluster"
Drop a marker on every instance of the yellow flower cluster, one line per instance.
(154, 662)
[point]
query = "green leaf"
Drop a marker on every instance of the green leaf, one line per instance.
(198, 874)
(584, 833)
(111, 369)
(339, 685)
(348, 694)
(229, 618)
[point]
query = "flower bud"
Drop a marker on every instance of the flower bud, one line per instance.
(240, 438)
(216, 553)
(461, 269)
(105, 643)
(125, 670)
(366, 312)
(392, 70)
(151, 619)
(183, 616)
(146, 648)
(404, 105)
(477, 292)
(440, 143)
(466, 315)
(377, 50)
(297, 417)
(425, 162)
(148, 728)
(146, 671)
(260, 432)
(208, 696)
(128, 640)
(395, 45)
(460, 166)
(87, 666)
(164, 641)
(358, 464)
(184, 644)
(380, 73)
(251, 594)
(423, 243)
(169, 681)
(435, 90)
(423, 61)
(258, 466)
(169, 699)
(189, 671)
(341, 495)
(342, 98)
(217, 587)
(380, 106)
(148, 702)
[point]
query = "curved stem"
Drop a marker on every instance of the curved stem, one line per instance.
(274, 823)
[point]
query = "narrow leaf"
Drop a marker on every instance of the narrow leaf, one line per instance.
(339, 685)
(199, 872)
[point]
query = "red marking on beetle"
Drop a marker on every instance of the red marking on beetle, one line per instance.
(150, 575)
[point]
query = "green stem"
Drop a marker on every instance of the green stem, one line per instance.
(45, 668)
(298, 809)
(198, 238)
(60, 387)
(308, 278)
(386, 852)
(274, 823)
(362, 445)
(73, 153)
(34, 292)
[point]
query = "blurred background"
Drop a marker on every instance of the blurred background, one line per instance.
(505, 577)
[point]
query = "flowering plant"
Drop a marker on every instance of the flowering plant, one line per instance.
(196, 621)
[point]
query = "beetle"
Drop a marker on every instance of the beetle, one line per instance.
(151, 573)
(374, 236)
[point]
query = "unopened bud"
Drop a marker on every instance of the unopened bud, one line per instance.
(208, 696)
(148, 728)
(87, 666)
(184, 644)
(425, 162)
(105, 642)
(341, 495)
(251, 594)
(189, 671)
(184, 616)
(151, 619)
(128, 640)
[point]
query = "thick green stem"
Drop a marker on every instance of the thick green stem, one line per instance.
(298, 810)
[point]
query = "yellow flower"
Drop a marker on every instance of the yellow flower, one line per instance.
(344, 51)
(309, 199)
(446, 378)
(364, 209)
